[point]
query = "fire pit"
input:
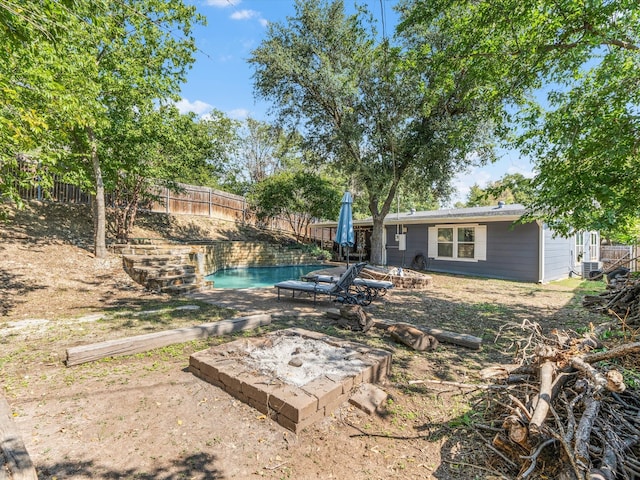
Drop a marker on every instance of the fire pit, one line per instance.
(294, 376)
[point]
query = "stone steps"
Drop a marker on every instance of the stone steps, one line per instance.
(172, 274)
(162, 282)
(148, 273)
(168, 249)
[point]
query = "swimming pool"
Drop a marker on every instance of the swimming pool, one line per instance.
(257, 277)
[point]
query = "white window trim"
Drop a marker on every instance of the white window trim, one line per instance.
(480, 244)
(580, 249)
(594, 248)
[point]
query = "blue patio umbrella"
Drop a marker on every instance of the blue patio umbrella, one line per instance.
(344, 233)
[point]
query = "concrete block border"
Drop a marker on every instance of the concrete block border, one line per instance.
(293, 407)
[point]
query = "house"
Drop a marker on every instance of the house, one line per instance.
(480, 241)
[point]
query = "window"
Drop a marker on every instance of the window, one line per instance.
(594, 247)
(579, 247)
(458, 242)
(466, 242)
(445, 242)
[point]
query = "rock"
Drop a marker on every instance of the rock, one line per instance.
(368, 398)
(295, 362)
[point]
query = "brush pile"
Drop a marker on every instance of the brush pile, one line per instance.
(621, 300)
(570, 409)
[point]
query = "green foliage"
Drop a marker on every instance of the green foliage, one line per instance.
(580, 58)
(160, 147)
(299, 197)
(41, 76)
(76, 73)
(511, 188)
(262, 150)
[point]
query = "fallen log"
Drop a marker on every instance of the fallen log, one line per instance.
(544, 397)
(583, 423)
(614, 352)
(353, 317)
(621, 301)
(444, 336)
(461, 339)
(18, 462)
(143, 343)
(583, 432)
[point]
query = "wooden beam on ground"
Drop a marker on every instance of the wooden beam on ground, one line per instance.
(444, 336)
(15, 453)
(143, 343)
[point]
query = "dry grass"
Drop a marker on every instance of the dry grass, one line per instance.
(145, 416)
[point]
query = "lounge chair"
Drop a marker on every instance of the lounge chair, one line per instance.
(343, 290)
(373, 288)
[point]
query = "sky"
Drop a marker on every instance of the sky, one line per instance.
(221, 78)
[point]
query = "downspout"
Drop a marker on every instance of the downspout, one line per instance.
(384, 246)
(540, 251)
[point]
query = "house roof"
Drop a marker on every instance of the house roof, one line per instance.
(458, 215)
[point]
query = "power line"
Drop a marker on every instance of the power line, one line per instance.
(383, 19)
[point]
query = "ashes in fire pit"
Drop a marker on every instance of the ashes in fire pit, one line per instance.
(295, 376)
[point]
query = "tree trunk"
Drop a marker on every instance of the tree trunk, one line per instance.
(377, 241)
(100, 217)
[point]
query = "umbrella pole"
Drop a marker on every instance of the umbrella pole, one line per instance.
(347, 256)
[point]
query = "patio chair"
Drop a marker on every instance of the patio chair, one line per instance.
(343, 290)
(373, 288)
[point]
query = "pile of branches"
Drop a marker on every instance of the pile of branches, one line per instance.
(565, 411)
(621, 301)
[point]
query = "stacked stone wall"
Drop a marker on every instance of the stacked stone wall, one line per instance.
(212, 257)
(178, 268)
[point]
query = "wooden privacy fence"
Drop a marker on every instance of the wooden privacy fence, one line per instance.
(209, 202)
(188, 200)
(613, 256)
(202, 201)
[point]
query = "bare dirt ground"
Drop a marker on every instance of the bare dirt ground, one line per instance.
(146, 417)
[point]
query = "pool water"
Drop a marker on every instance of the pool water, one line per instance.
(257, 277)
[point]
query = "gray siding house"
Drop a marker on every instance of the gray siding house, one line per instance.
(481, 241)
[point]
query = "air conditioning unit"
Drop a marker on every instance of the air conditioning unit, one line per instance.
(588, 267)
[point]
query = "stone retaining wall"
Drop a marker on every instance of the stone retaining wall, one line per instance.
(209, 258)
(177, 268)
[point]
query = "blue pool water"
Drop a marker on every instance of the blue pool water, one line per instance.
(256, 277)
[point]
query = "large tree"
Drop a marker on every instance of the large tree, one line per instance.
(568, 73)
(81, 66)
(142, 56)
(363, 107)
(40, 75)
(300, 197)
(161, 147)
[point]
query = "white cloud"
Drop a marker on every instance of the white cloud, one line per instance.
(524, 169)
(196, 107)
(463, 182)
(238, 113)
(222, 3)
(245, 14)
(264, 22)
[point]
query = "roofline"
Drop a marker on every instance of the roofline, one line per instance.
(417, 219)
